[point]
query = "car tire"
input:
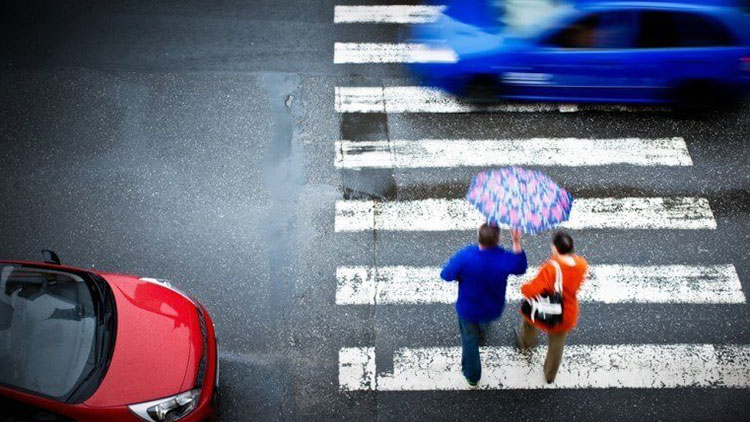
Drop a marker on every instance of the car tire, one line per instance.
(692, 98)
(483, 89)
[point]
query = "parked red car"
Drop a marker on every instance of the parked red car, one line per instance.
(88, 346)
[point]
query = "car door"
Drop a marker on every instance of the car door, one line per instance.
(676, 48)
(585, 60)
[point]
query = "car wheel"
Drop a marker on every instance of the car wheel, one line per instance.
(483, 89)
(700, 97)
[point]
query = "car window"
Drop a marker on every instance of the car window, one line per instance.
(16, 411)
(610, 30)
(700, 31)
(47, 330)
(659, 29)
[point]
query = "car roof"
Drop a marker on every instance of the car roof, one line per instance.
(727, 11)
(672, 4)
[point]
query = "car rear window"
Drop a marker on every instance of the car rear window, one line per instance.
(660, 29)
(47, 330)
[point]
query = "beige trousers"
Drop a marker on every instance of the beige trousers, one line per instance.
(529, 338)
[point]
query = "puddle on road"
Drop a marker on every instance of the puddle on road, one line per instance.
(366, 183)
(283, 172)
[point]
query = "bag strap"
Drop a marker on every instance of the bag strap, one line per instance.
(558, 276)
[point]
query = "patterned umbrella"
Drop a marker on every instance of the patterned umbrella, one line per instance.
(519, 198)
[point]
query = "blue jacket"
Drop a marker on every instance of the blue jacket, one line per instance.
(482, 276)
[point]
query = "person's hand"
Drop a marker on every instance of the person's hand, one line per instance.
(516, 236)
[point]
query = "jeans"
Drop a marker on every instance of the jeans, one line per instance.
(470, 364)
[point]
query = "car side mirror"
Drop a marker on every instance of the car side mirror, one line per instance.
(50, 257)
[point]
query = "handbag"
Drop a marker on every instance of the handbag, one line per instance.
(546, 308)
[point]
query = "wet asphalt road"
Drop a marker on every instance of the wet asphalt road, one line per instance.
(193, 141)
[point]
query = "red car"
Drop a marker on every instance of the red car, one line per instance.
(88, 346)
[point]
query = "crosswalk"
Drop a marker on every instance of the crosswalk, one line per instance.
(586, 366)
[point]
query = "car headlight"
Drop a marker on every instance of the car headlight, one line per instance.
(168, 409)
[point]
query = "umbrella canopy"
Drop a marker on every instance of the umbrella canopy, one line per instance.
(520, 199)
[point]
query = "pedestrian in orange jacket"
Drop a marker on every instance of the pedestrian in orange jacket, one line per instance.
(573, 268)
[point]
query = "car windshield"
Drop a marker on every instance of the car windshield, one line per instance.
(48, 330)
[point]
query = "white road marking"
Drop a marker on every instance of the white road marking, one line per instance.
(687, 213)
(357, 368)
(391, 53)
(571, 152)
(418, 99)
(585, 366)
(525, 13)
(386, 14)
(399, 285)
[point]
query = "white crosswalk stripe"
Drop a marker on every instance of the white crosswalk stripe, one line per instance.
(585, 366)
(686, 213)
(386, 14)
(568, 152)
(519, 13)
(401, 285)
(420, 99)
(391, 53)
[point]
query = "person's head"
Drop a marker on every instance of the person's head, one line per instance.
(488, 236)
(562, 243)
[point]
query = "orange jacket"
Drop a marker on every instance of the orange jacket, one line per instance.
(544, 282)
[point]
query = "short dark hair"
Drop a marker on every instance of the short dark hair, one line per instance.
(563, 242)
(489, 236)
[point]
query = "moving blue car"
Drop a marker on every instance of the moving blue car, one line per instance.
(591, 51)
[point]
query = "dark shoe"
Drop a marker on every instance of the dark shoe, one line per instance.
(471, 384)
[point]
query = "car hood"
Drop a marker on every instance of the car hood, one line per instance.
(472, 28)
(464, 39)
(155, 344)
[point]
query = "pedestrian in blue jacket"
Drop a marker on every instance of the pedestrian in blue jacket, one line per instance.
(482, 272)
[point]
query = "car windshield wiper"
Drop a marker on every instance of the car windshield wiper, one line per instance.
(102, 339)
(104, 322)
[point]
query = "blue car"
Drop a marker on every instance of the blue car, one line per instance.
(645, 52)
